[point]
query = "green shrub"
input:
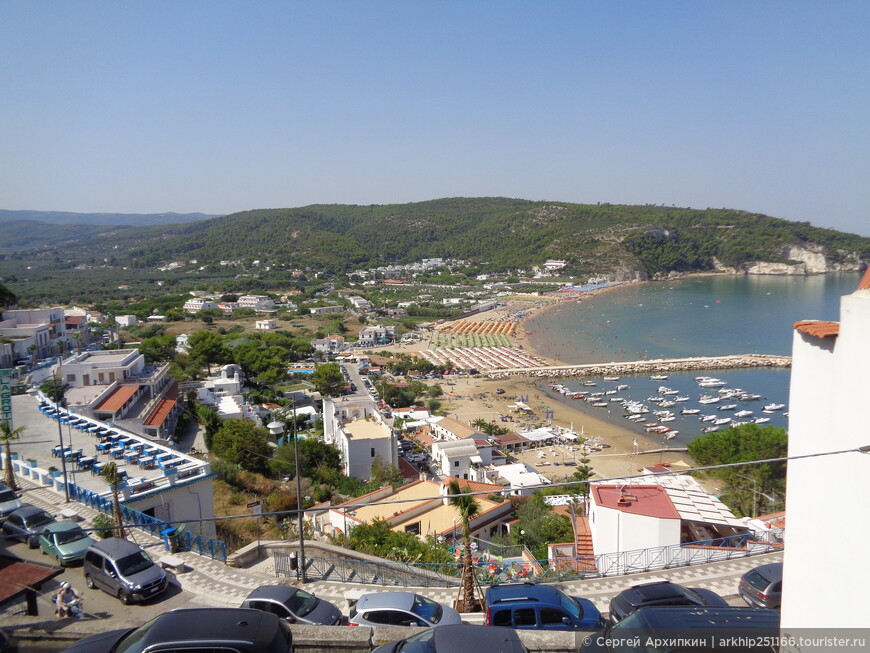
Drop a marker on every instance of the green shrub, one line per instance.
(103, 524)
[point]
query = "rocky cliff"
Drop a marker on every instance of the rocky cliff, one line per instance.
(808, 259)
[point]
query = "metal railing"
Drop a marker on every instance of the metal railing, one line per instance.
(199, 544)
(544, 571)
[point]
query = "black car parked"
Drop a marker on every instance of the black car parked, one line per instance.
(197, 629)
(660, 593)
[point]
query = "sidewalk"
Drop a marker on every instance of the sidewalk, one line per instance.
(215, 582)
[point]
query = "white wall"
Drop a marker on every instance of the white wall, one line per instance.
(827, 528)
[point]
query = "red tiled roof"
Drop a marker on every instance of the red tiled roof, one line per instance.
(864, 284)
(163, 408)
(118, 398)
(75, 319)
(818, 328)
(648, 500)
(471, 486)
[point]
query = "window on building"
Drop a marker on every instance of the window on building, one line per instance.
(456, 463)
(70, 378)
(373, 452)
(413, 528)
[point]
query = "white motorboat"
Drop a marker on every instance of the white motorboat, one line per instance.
(721, 421)
(709, 429)
(707, 399)
(671, 435)
(761, 420)
(771, 407)
(690, 411)
(659, 377)
(681, 399)
(611, 378)
(707, 418)
(727, 407)
(743, 413)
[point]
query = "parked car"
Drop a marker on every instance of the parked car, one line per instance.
(762, 587)
(660, 592)
(10, 501)
(400, 609)
(121, 568)
(293, 604)
(671, 625)
(461, 638)
(197, 629)
(27, 523)
(527, 605)
(65, 541)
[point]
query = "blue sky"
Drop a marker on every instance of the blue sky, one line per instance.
(225, 106)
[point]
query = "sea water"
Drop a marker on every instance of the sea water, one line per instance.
(699, 316)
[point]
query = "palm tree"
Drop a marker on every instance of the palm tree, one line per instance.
(479, 423)
(468, 509)
(113, 478)
(7, 434)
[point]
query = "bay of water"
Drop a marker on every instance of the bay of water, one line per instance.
(699, 316)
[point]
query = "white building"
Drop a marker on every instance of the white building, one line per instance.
(35, 334)
(360, 303)
(456, 458)
(197, 304)
(256, 302)
(126, 320)
(827, 412)
(522, 478)
(359, 432)
(372, 335)
(265, 325)
(102, 367)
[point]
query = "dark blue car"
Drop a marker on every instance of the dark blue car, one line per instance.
(526, 605)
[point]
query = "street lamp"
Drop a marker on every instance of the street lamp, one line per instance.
(276, 429)
(62, 452)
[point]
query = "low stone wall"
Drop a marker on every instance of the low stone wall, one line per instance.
(658, 366)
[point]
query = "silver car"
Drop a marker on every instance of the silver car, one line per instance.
(27, 523)
(400, 609)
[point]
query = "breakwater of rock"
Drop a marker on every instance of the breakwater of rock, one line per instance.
(657, 366)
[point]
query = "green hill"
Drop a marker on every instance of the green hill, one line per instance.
(495, 234)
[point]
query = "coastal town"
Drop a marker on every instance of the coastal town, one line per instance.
(506, 429)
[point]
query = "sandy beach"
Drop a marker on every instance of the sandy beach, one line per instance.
(470, 398)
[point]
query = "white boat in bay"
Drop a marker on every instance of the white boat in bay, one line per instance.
(709, 429)
(611, 378)
(681, 398)
(743, 413)
(721, 421)
(707, 418)
(707, 399)
(761, 420)
(659, 377)
(771, 407)
(727, 407)
(690, 411)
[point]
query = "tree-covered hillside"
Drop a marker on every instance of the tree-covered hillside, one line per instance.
(490, 234)
(494, 233)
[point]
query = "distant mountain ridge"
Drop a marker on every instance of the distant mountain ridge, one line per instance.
(105, 219)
